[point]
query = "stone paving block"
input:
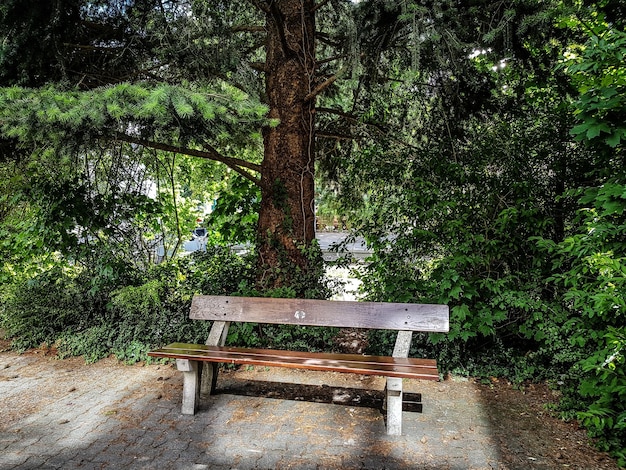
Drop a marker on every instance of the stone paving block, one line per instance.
(300, 463)
(192, 466)
(12, 459)
(62, 456)
(50, 439)
(75, 442)
(4, 444)
(34, 464)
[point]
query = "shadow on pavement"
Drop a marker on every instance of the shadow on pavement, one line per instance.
(320, 394)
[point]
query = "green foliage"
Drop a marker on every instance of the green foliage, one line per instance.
(478, 206)
(299, 338)
(218, 271)
(584, 311)
(66, 212)
(35, 30)
(92, 344)
(58, 307)
(462, 229)
(590, 265)
(605, 386)
(288, 279)
(84, 199)
(71, 195)
(316, 285)
(598, 72)
(235, 214)
(68, 117)
(293, 337)
(30, 316)
(590, 269)
(464, 179)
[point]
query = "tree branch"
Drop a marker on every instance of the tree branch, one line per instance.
(322, 86)
(351, 117)
(326, 39)
(330, 59)
(331, 135)
(260, 5)
(235, 164)
(248, 29)
(260, 66)
(337, 112)
(275, 12)
(320, 5)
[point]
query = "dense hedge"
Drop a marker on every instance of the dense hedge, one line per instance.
(59, 306)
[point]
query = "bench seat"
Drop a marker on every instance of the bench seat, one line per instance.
(409, 368)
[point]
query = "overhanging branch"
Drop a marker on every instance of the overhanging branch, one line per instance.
(325, 84)
(352, 118)
(337, 112)
(248, 29)
(260, 5)
(320, 5)
(333, 135)
(235, 164)
(260, 66)
(330, 59)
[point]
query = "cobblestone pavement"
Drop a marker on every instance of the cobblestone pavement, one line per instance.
(66, 414)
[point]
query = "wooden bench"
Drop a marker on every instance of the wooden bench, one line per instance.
(405, 318)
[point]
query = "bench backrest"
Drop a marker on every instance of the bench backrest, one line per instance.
(343, 314)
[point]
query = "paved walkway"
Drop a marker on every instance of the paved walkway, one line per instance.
(65, 414)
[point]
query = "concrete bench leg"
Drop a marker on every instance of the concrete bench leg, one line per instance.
(191, 385)
(217, 337)
(394, 386)
(394, 406)
(209, 379)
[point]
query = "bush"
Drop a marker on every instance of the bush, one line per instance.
(37, 310)
(605, 385)
(61, 307)
(590, 278)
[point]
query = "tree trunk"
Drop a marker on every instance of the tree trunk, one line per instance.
(287, 214)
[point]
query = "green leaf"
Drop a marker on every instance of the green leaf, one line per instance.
(595, 130)
(182, 107)
(580, 129)
(615, 138)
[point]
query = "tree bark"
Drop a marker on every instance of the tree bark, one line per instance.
(287, 214)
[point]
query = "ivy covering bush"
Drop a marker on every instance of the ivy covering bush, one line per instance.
(58, 307)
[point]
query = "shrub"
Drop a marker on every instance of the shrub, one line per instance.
(605, 385)
(590, 278)
(61, 307)
(39, 309)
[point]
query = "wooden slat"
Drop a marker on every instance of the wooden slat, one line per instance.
(343, 314)
(359, 358)
(370, 365)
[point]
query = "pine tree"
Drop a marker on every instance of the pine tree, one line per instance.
(179, 77)
(202, 77)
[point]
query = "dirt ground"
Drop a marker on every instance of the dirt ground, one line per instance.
(522, 425)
